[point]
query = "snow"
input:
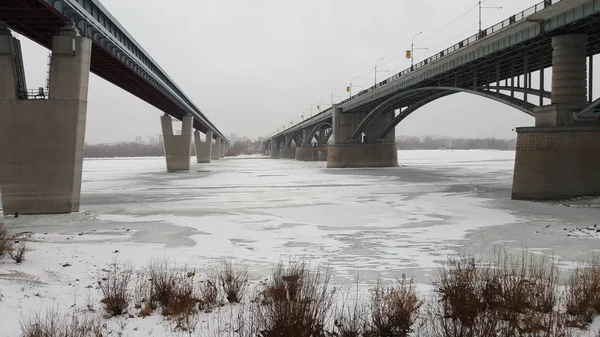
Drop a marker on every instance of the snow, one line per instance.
(374, 222)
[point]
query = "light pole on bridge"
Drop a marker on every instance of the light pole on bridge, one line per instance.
(480, 8)
(375, 71)
(349, 88)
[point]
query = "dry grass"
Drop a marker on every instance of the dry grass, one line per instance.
(351, 318)
(209, 294)
(514, 296)
(582, 294)
(54, 324)
(233, 281)
(18, 253)
(175, 291)
(6, 240)
(394, 309)
(115, 290)
(296, 302)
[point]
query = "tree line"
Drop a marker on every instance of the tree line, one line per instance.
(132, 149)
(432, 143)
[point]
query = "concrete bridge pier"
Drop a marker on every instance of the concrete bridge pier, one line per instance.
(216, 151)
(558, 158)
(275, 149)
(371, 152)
(203, 149)
(42, 140)
(222, 149)
(177, 147)
(287, 151)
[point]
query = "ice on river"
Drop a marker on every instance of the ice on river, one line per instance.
(375, 222)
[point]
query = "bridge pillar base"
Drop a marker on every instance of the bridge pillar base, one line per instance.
(322, 153)
(215, 153)
(288, 153)
(362, 155)
(177, 147)
(307, 153)
(203, 149)
(42, 140)
(556, 163)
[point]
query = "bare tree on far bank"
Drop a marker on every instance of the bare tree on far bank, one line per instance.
(434, 143)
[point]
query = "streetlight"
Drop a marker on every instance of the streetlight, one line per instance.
(349, 89)
(480, 8)
(376, 70)
(412, 49)
(333, 92)
(319, 105)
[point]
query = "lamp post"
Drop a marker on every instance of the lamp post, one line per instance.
(333, 92)
(350, 86)
(412, 49)
(376, 70)
(482, 7)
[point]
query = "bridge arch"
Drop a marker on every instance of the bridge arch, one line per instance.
(317, 128)
(396, 100)
(296, 138)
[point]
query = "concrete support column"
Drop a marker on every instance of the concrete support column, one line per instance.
(216, 152)
(42, 140)
(569, 81)
(203, 149)
(558, 159)
(222, 148)
(372, 153)
(177, 147)
(274, 148)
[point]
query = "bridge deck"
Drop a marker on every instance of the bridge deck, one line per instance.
(39, 21)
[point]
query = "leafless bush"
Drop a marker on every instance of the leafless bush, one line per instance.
(514, 296)
(351, 318)
(583, 294)
(296, 302)
(233, 281)
(174, 290)
(115, 290)
(18, 253)
(394, 309)
(209, 294)
(6, 240)
(55, 324)
(142, 291)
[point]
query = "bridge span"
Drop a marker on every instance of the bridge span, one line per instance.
(556, 158)
(42, 131)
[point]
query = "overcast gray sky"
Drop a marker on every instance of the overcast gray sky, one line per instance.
(252, 66)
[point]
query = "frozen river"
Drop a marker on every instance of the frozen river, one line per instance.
(378, 222)
(258, 211)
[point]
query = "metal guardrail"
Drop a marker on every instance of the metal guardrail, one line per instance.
(462, 44)
(458, 46)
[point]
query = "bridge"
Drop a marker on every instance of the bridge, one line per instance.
(511, 63)
(42, 131)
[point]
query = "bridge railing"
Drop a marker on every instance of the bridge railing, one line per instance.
(462, 44)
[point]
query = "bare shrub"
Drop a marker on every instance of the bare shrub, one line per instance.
(233, 281)
(394, 309)
(6, 240)
(209, 294)
(582, 295)
(174, 290)
(514, 296)
(18, 252)
(115, 290)
(55, 324)
(162, 280)
(303, 310)
(142, 291)
(351, 319)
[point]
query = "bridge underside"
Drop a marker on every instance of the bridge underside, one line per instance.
(40, 22)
